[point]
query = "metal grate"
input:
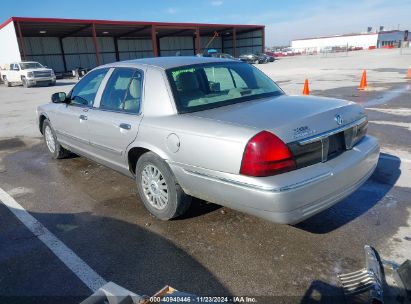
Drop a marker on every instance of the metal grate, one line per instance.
(367, 280)
(42, 74)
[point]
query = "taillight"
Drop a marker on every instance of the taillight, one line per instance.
(265, 155)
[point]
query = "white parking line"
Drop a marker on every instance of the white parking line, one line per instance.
(399, 112)
(387, 96)
(87, 275)
(405, 125)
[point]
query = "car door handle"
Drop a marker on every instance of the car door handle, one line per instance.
(125, 126)
(83, 117)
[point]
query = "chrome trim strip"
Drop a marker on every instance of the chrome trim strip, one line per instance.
(105, 148)
(261, 188)
(332, 132)
(72, 137)
(119, 111)
(101, 147)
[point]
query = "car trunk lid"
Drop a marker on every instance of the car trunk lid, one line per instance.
(292, 118)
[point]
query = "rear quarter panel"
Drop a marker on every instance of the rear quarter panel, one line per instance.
(203, 143)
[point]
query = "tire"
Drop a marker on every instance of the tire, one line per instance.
(53, 146)
(52, 84)
(174, 201)
(6, 82)
(25, 83)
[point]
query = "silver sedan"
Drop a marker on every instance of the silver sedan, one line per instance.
(219, 130)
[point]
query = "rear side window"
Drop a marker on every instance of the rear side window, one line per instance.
(123, 91)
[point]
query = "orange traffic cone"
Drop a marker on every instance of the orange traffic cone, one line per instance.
(363, 82)
(306, 90)
(409, 72)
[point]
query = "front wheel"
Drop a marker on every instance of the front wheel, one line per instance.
(25, 82)
(6, 82)
(50, 139)
(158, 188)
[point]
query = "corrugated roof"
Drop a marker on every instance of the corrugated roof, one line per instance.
(55, 26)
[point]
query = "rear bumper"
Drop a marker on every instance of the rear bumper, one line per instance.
(290, 197)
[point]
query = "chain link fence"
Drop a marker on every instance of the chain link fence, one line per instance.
(405, 48)
(335, 51)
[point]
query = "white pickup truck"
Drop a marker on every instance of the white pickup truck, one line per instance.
(27, 73)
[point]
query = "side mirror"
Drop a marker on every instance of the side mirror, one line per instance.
(59, 97)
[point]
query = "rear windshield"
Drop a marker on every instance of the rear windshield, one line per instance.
(206, 86)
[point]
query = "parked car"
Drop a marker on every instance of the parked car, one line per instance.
(253, 58)
(266, 57)
(271, 57)
(218, 130)
(218, 55)
(28, 73)
(223, 55)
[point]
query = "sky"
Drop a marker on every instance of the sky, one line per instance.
(285, 20)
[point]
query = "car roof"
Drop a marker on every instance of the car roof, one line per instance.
(167, 62)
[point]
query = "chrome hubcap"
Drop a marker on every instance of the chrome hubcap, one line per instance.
(154, 186)
(51, 144)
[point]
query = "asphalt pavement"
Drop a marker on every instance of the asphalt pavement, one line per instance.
(96, 213)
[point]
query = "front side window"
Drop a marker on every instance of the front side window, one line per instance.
(123, 91)
(206, 86)
(85, 91)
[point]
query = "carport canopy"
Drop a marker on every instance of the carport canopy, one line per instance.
(200, 35)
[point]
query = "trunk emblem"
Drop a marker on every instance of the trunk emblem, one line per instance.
(303, 131)
(338, 118)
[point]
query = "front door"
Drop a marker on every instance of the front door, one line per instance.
(14, 73)
(113, 122)
(71, 120)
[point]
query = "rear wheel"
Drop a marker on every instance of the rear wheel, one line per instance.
(158, 188)
(50, 139)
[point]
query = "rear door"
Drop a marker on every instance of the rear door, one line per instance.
(113, 122)
(71, 120)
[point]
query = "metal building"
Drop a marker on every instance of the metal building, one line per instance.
(380, 39)
(65, 44)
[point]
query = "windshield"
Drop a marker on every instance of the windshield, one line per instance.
(30, 65)
(205, 86)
